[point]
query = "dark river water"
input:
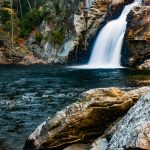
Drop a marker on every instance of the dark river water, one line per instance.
(29, 94)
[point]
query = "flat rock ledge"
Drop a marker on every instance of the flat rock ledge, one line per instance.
(85, 120)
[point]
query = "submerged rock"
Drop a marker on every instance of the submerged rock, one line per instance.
(84, 120)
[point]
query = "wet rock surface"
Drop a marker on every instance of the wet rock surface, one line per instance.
(84, 120)
(146, 2)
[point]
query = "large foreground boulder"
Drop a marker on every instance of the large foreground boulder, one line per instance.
(131, 132)
(84, 120)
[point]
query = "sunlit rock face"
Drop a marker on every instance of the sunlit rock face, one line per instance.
(136, 48)
(84, 120)
(59, 22)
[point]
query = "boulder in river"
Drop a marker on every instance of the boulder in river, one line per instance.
(84, 120)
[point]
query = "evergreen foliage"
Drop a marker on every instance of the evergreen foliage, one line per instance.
(31, 20)
(57, 37)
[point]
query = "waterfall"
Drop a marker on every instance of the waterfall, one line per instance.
(107, 49)
(106, 52)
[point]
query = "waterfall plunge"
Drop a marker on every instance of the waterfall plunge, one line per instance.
(107, 49)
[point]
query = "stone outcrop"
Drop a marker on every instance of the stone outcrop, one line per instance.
(136, 48)
(87, 22)
(56, 31)
(132, 132)
(145, 65)
(84, 120)
(78, 147)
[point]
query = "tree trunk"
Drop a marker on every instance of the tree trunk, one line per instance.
(35, 3)
(12, 25)
(20, 8)
(29, 5)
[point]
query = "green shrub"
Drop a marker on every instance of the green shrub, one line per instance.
(57, 36)
(4, 16)
(38, 36)
(30, 21)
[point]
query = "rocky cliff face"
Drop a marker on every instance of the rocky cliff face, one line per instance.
(95, 18)
(136, 48)
(68, 36)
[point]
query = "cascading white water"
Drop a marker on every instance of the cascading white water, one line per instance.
(107, 49)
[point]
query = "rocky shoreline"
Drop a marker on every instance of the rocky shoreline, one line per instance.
(101, 119)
